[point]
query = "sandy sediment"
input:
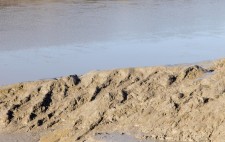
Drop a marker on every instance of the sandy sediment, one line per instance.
(173, 103)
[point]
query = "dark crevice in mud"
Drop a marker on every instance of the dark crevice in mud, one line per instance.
(38, 89)
(124, 95)
(180, 95)
(97, 91)
(50, 115)
(211, 70)
(47, 101)
(205, 100)
(92, 127)
(10, 115)
(66, 91)
(53, 123)
(32, 116)
(42, 106)
(40, 122)
(187, 71)
(76, 79)
(106, 84)
(14, 107)
(176, 105)
(172, 79)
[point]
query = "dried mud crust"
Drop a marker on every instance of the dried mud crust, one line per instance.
(179, 103)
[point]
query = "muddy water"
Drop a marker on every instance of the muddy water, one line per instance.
(45, 39)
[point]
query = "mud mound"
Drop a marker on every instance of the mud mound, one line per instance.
(180, 103)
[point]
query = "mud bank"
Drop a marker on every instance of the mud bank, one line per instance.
(173, 103)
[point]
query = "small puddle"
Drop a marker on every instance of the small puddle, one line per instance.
(19, 137)
(117, 137)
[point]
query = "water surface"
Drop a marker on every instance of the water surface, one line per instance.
(45, 39)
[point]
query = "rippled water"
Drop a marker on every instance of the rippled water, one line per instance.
(45, 39)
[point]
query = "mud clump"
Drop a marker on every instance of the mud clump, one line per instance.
(179, 103)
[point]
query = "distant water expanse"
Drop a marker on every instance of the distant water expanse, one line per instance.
(45, 39)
